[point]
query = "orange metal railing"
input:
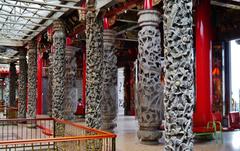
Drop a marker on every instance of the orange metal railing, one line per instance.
(50, 134)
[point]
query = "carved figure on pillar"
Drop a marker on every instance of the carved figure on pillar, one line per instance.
(109, 102)
(59, 40)
(32, 80)
(94, 57)
(179, 77)
(13, 83)
(22, 92)
(149, 85)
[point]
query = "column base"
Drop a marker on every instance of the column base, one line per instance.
(149, 137)
(108, 126)
(108, 123)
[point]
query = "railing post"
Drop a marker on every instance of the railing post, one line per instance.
(54, 128)
(54, 133)
(114, 144)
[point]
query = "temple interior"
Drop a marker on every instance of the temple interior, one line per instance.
(119, 75)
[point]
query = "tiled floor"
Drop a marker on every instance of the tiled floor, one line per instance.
(127, 139)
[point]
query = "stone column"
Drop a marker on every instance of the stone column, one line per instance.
(13, 82)
(22, 92)
(94, 55)
(49, 92)
(58, 67)
(71, 100)
(179, 77)
(109, 102)
(149, 85)
(32, 80)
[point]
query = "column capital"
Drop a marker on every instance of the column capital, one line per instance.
(149, 18)
(22, 54)
(58, 26)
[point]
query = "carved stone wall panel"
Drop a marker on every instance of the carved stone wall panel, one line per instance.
(13, 84)
(32, 80)
(58, 70)
(179, 77)
(22, 92)
(109, 102)
(149, 85)
(94, 58)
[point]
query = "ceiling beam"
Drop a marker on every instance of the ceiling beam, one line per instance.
(226, 5)
(19, 23)
(102, 3)
(29, 17)
(40, 8)
(127, 21)
(14, 34)
(11, 43)
(13, 29)
(127, 29)
(51, 4)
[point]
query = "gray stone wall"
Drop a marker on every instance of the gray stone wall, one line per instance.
(179, 77)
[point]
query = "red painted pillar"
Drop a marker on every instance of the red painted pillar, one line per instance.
(39, 85)
(203, 108)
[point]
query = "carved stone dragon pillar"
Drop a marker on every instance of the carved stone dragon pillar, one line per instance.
(70, 102)
(49, 92)
(12, 87)
(32, 80)
(109, 102)
(149, 85)
(22, 92)
(94, 57)
(179, 77)
(58, 67)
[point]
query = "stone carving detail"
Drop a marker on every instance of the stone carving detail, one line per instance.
(58, 65)
(6, 91)
(13, 83)
(149, 85)
(22, 92)
(179, 83)
(70, 102)
(109, 102)
(32, 80)
(94, 58)
(49, 92)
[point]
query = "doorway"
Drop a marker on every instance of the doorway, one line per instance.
(235, 74)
